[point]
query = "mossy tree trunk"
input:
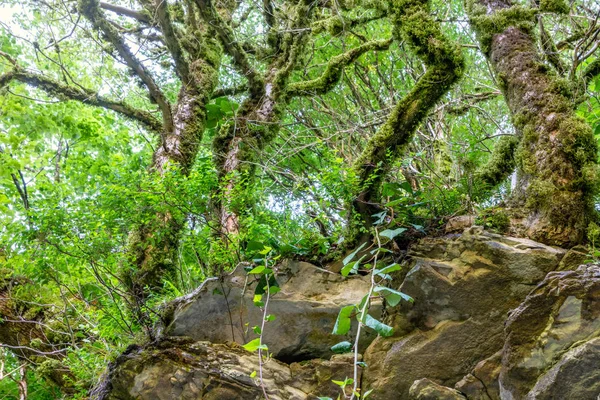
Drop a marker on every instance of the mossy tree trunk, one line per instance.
(444, 63)
(557, 154)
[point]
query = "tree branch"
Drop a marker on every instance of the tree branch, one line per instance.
(171, 40)
(91, 10)
(86, 96)
(231, 46)
(229, 91)
(592, 71)
(334, 69)
(126, 12)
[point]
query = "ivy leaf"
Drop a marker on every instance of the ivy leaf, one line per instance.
(342, 347)
(343, 322)
(378, 326)
(352, 268)
(252, 345)
(353, 254)
(390, 234)
(391, 296)
(257, 270)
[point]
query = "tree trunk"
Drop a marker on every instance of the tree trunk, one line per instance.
(153, 245)
(557, 155)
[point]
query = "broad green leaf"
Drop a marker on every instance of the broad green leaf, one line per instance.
(390, 234)
(353, 254)
(252, 345)
(342, 347)
(352, 268)
(378, 326)
(257, 270)
(343, 322)
(391, 296)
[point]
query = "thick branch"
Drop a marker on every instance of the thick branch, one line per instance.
(230, 91)
(444, 67)
(91, 10)
(592, 70)
(171, 40)
(86, 96)
(334, 69)
(231, 46)
(126, 12)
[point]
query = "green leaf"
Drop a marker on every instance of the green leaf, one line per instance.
(343, 322)
(353, 254)
(257, 330)
(391, 296)
(270, 317)
(384, 272)
(252, 345)
(390, 234)
(378, 326)
(342, 347)
(351, 268)
(253, 374)
(257, 270)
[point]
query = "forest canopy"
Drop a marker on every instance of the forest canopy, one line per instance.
(146, 145)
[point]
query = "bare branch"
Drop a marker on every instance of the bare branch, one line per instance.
(86, 96)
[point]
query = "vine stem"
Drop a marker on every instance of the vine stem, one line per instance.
(262, 329)
(363, 313)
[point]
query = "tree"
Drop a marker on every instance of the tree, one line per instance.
(147, 145)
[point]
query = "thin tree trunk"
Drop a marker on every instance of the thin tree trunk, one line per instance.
(557, 154)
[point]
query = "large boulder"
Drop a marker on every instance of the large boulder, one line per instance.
(463, 286)
(305, 311)
(552, 347)
(181, 369)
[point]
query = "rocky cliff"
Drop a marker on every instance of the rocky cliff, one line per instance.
(494, 317)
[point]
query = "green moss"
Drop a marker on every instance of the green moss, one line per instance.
(486, 26)
(540, 193)
(554, 6)
(501, 163)
(494, 218)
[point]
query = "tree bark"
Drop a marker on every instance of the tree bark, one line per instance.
(557, 155)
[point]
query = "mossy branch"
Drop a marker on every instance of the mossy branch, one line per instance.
(231, 46)
(86, 96)
(592, 71)
(501, 164)
(445, 66)
(139, 16)
(334, 69)
(91, 10)
(166, 26)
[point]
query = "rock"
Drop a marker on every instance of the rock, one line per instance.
(425, 389)
(460, 223)
(463, 288)
(482, 382)
(575, 376)
(551, 336)
(305, 311)
(181, 369)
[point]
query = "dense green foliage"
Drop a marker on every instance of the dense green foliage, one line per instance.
(77, 180)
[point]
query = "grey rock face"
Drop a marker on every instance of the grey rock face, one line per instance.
(305, 311)
(463, 288)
